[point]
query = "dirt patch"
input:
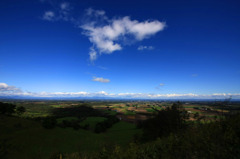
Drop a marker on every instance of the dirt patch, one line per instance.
(141, 110)
(132, 118)
(132, 108)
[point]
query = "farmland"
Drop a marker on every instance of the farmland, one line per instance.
(87, 127)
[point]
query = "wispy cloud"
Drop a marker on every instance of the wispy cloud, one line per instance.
(194, 75)
(59, 11)
(160, 85)
(65, 6)
(145, 48)
(107, 35)
(103, 68)
(96, 13)
(92, 54)
(100, 79)
(49, 16)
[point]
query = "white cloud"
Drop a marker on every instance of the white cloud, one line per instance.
(3, 86)
(161, 84)
(65, 6)
(60, 11)
(92, 54)
(177, 96)
(49, 15)
(108, 34)
(145, 48)
(6, 90)
(143, 30)
(64, 12)
(100, 79)
(93, 12)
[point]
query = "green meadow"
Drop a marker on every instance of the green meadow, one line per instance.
(26, 139)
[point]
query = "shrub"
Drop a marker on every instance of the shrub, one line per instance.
(49, 123)
(20, 110)
(6, 108)
(104, 125)
(165, 122)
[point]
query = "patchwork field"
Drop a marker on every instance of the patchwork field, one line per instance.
(84, 127)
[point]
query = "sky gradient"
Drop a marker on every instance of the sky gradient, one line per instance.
(126, 49)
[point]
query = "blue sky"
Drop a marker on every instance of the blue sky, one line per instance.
(133, 49)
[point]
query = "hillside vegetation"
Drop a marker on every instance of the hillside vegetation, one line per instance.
(76, 131)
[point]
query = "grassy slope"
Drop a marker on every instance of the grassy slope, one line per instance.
(31, 140)
(92, 121)
(59, 120)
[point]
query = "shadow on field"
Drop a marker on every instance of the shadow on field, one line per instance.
(76, 111)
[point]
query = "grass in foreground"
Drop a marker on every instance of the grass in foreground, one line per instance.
(26, 139)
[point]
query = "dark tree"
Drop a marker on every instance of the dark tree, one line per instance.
(167, 121)
(6, 108)
(104, 125)
(196, 115)
(20, 110)
(49, 123)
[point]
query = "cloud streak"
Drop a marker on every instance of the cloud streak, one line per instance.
(159, 86)
(60, 11)
(145, 48)
(65, 6)
(8, 91)
(100, 79)
(49, 16)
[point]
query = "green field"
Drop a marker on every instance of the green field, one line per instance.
(59, 120)
(109, 112)
(29, 139)
(23, 135)
(150, 110)
(127, 112)
(92, 121)
(56, 106)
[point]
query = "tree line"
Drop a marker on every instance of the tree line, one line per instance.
(169, 135)
(9, 109)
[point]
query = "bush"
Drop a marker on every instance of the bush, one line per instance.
(104, 125)
(49, 123)
(6, 108)
(216, 140)
(73, 123)
(86, 126)
(20, 110)
(167, 121)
